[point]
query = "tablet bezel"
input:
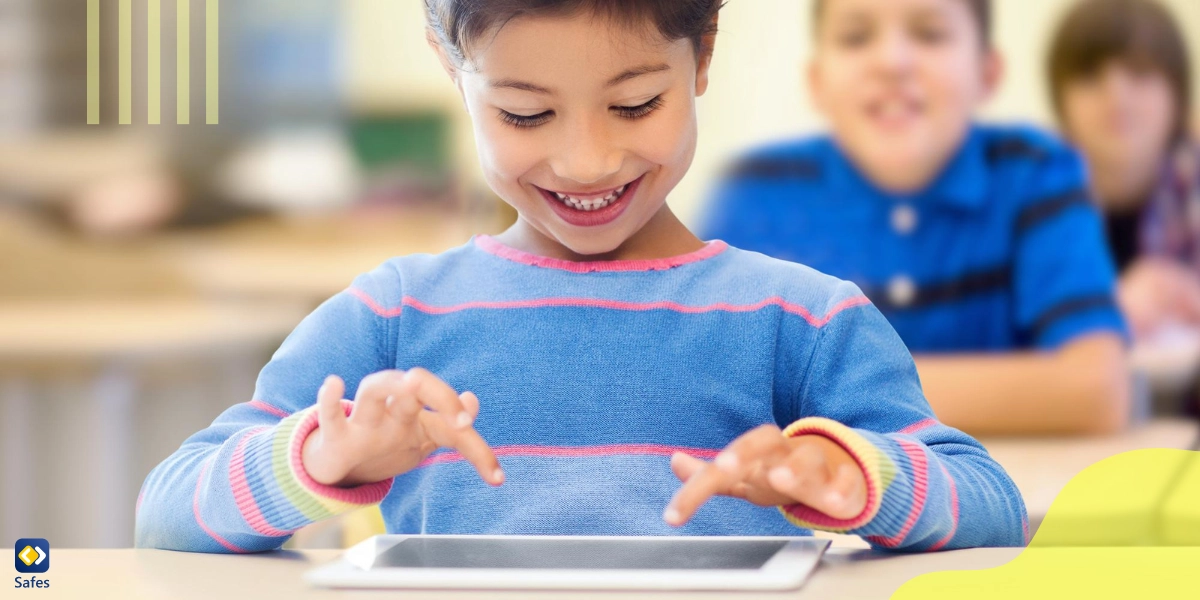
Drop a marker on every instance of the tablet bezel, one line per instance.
(787, 569)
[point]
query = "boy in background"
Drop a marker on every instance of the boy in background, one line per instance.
(980, 243)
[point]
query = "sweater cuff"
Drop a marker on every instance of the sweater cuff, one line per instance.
(314, 500)
(875, 466)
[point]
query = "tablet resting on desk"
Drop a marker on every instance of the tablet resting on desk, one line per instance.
(574, 562)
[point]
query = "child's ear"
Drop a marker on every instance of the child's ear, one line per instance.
(703, 66)
(993, 73)
(447, 64)
(812, 74)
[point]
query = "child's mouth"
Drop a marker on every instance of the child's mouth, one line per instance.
(591, 210)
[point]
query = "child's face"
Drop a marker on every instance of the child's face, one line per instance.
(1121, 116)
(579, 107)
(899, 82)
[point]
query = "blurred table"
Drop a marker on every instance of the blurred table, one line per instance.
(1041, 467)
(314, 257)
(106, 341)
(163, 575)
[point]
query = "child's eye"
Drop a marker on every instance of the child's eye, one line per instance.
(641, 110)
(526, 122)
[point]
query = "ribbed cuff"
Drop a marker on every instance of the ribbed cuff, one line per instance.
(873, 463)
(314, 500)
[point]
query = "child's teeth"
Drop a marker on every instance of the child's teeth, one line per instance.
(592, 204)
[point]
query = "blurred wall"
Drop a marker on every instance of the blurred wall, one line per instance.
(756, 93)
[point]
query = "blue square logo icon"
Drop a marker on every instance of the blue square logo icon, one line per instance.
(32, 555)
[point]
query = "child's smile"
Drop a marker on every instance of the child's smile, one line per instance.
(592, 209)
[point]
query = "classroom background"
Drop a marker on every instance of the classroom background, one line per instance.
(147, 272)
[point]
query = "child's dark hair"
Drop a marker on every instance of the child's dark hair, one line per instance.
(1140, 32)
(980, 9)
(456, 24)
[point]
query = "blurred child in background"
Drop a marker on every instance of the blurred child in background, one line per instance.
(1120, 78)
(979, 243)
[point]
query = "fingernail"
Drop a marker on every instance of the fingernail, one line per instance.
(783, 476)
(727, 461)
(671, 515)
(835, 498)
(464, 419)
(498, 476)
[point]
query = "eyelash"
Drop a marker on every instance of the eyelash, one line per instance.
(627, 112)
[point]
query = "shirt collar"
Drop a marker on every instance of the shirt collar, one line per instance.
(963, 183)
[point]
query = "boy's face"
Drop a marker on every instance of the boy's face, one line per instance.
(899, 82)
(575, 106)
(1121, 116)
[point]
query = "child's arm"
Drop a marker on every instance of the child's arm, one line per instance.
(919, 485)
(234, 487)
(1082, 388)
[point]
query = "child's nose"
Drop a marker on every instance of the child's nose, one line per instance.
(588, 154)
(895, 53)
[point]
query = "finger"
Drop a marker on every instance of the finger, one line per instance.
(846, 497)
(707, 482)
(802, 470)
(471, 403)
(755, 445)
(685, 465)
(371, 400)
(467, 442)
(436, 394)
(330, 414)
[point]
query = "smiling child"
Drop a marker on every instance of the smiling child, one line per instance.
(630, 378)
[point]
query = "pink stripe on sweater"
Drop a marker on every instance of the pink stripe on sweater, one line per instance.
(241, 489)
(953, 513)
(267, 408)
(920, 491)
(610, 304)
(918, 426)
(577, 452)
(492, 246)
(200, 520)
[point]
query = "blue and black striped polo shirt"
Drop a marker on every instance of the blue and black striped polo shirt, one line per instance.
(1003, 251)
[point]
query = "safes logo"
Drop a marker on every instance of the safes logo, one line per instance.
(32, 555)
(153, 65)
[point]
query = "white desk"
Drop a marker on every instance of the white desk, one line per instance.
(160, 575)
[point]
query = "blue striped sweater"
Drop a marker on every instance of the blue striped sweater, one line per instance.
(589, 376)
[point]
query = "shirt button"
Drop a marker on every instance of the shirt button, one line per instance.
(902, 291)
(904, 219)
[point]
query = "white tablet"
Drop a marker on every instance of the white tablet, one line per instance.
(574, 562)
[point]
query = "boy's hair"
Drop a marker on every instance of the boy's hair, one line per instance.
(1141, 32)
(456, 24)
(980, 9)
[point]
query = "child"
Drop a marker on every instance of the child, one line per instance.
(1120, 79)
(597, 337)
(979, 243)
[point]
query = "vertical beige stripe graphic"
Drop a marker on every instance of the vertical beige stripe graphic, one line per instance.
(93, 62)
(154, 62)
(212, 64)
(125, 65)
(183, 56)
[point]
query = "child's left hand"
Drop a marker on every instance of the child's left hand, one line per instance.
(767, 469)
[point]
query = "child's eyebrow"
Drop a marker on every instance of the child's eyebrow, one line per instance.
(635, 72)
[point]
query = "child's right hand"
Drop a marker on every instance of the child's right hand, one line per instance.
(388, 431)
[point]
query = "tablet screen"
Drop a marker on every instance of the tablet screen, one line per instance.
(646, 554)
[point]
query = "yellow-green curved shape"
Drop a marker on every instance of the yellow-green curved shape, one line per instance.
(1126, 527)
